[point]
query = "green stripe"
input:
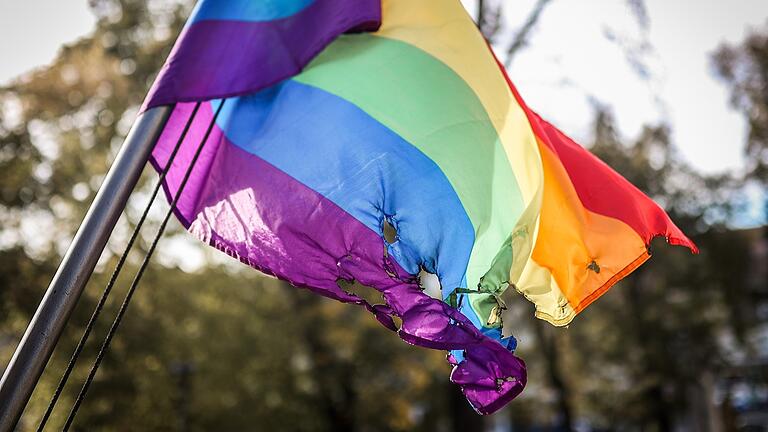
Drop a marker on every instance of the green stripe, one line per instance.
(429, 105)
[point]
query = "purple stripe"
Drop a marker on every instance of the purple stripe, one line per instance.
(221, 58)
(251, 210)
(185, 208)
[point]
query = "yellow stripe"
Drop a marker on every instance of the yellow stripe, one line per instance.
(443, 29)
(583, 251)
(551, 274)
(461, 47)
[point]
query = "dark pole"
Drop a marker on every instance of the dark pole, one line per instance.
(39, 341)
(480, 15)
(183, 371)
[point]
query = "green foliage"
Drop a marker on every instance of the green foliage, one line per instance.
(745, 69)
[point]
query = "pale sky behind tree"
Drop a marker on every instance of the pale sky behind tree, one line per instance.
(569, 62)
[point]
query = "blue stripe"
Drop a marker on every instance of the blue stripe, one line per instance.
(338, 150)
(247, 10)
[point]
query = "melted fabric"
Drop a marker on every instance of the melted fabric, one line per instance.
(409, 121)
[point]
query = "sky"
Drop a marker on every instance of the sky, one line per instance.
(33, 31)
(569, 62)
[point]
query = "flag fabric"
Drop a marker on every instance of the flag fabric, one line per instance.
(343, 116)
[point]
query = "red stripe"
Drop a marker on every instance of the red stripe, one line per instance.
(604, 191)
(601, 189)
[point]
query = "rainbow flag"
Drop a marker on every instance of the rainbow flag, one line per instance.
(328, 119)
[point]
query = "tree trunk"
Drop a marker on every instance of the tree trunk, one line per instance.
(646, 334)
(337, 390)
(463, 417)
(548, 345)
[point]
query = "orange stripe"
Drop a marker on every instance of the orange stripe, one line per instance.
(571, 238)
(612, 281)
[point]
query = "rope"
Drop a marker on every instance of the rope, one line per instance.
(118, 268)
(139, 274)
(137, 278)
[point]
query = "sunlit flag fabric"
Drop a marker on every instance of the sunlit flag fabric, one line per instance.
(346, 115)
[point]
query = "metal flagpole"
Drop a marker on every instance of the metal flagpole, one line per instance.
(43, 332)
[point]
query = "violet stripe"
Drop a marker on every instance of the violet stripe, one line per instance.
(251, 210)
(185, 208)
(260, 215)
(223, 58)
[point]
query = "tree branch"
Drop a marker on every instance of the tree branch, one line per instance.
(480, 13)
(521, 38)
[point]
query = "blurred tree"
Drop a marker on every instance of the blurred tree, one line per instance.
(254, 352)
(491, 21)
(744, 67)
(221, 347)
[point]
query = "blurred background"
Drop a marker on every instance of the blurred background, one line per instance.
(674, 95)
